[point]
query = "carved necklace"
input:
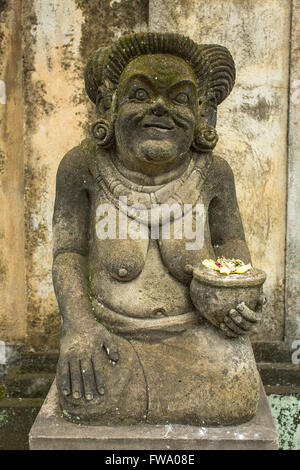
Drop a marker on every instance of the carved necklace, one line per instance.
(136, 200)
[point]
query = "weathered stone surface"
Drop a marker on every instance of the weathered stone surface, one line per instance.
(57, 39)
(18, 384)
(39, 362)
(53, 109)
(141, 340)
(51, 432)
(276, 351)
(293, 197)
(212, 286)
(252, 122)
(12, 270)
(286, 374)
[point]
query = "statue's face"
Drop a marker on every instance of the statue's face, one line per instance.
(157, 109)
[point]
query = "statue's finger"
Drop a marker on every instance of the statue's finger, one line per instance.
(237, 318)
(88, 379)
(98, 373)
(65, 379)
(235, 328)
(76, 381)
(247, 313)
(228, 332)
(111, 349)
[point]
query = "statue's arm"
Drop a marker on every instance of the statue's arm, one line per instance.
(70, 241)
(226, 227)
(82, 337)
(228, 240)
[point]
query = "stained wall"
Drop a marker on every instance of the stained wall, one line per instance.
(252, 121)
(44, 112)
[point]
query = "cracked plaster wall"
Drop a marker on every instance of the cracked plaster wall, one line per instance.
(42, 69)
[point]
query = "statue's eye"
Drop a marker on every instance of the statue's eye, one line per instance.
(141, 94)
(182, 98)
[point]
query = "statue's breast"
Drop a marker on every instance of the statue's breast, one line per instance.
(188, 243)
(121, 242)
(121, 255)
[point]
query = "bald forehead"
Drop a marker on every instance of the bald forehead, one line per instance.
(164, 69)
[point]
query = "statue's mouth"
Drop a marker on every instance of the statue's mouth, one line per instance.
(161, 124)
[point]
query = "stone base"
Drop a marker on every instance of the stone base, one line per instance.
(51, 431)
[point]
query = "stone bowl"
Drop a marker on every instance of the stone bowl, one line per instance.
(215, 294)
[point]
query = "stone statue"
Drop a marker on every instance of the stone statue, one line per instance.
(142, 341)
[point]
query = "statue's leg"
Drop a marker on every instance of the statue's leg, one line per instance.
(200, 377)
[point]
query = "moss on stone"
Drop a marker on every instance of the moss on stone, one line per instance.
(286, 414)
(3, 418)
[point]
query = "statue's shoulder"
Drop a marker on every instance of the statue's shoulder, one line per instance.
(220, 170)
(75, 163)
(79, 156)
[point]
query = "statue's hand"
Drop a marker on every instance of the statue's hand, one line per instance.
(242, 320)
(82, 352)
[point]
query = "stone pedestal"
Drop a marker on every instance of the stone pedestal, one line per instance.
(51, 431)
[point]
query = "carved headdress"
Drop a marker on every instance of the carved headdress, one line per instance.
(213, 66)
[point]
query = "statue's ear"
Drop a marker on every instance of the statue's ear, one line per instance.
(206, 136)
(103, 130)
(104, 101)
(208, 109)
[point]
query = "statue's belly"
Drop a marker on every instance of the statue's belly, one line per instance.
(153, 293)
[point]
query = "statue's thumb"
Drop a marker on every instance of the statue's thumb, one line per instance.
(111, 349)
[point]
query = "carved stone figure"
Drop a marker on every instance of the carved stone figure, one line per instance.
(148, 335)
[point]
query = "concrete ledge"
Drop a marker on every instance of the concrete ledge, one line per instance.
(51, 432)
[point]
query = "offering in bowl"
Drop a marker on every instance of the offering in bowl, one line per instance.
(215, 294)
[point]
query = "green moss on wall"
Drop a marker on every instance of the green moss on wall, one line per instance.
(3, 418)
(286, 413)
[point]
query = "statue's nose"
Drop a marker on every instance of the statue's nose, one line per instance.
(159, 108)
